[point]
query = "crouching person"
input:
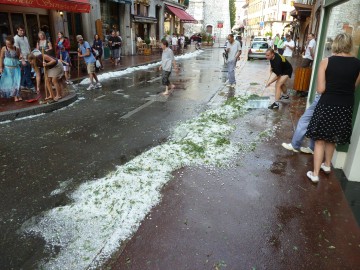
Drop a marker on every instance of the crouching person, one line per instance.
(53, 69)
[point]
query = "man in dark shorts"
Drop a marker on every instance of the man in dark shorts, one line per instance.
(283, 70)
(115, 43)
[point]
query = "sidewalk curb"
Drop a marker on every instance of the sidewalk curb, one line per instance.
(78, 80)
(34, 110)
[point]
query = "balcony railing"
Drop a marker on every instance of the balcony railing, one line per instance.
(305, 2)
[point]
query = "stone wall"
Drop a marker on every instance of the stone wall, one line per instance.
(208, 13)
(344, 18)
(342, 15)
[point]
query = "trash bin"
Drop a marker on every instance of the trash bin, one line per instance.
(106, 53)
(302, 79)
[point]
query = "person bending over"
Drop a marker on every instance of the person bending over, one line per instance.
(283, 70)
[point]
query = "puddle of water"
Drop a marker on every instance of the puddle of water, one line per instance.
(257, 103)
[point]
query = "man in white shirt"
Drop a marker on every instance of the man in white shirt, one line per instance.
(182, 42)
(21, 42)
(309, 52)
(233, 50)
(174, 42)
(289, 46)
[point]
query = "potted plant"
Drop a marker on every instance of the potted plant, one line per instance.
(147, 41)
(204, 38)
(147, 50)
(210, 40)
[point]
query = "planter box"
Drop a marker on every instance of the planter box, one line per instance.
(147, 51)
(207, 43)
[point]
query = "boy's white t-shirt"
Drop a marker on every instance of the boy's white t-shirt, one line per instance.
(312, 44)
(287, 50)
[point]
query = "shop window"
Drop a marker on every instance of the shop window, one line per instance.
(44, 26)
(17, 19)
(74, 28)
(138, 9)
(114, 16)
(32, 23)
(4, 27)
(32, 29)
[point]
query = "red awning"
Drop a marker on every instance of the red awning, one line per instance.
(181, 14)
(82, 6)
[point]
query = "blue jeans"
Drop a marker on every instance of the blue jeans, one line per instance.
(302, 125)
(26, 76)
(231, 71)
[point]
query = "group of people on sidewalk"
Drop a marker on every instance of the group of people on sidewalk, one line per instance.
(287, 47)
(19, 64)
(328, 121)
(177, 42)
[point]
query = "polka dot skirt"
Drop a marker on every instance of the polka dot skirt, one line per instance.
(331, 123)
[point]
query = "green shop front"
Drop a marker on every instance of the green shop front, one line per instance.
(339, 16)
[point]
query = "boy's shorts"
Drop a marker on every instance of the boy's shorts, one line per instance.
(90, 68)
(165, 77)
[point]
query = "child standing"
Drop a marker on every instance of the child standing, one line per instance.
(167, 61)
(65, 60)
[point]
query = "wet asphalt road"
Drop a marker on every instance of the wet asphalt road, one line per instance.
(87, 140)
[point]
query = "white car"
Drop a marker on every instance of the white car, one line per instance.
(258, 50)
(258, 38)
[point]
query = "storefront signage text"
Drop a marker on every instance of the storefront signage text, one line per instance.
(81, 7)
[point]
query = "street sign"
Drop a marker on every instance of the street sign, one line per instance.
(220, 25)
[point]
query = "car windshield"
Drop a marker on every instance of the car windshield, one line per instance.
(260, 45)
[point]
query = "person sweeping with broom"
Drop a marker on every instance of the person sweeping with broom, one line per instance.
(283, 70)
(53, 69)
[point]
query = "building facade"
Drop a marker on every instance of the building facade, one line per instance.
(268, 17)
(212, 16)
(176, 16)
(240, 20)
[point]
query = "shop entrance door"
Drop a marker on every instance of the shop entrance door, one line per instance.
(74, 28)
(32, 29)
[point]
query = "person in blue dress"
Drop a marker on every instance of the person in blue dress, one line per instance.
(10, 70)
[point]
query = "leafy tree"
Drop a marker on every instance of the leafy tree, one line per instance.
(232, 9)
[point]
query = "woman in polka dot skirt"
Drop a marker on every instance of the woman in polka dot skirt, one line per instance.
(331, 123)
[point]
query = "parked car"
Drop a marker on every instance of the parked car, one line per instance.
(258, 38)
(258, 50)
